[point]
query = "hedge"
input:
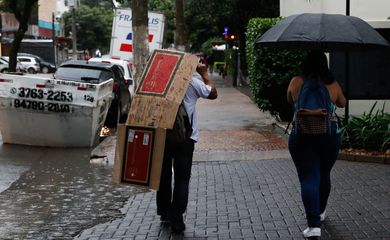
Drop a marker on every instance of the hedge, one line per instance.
(270, 70)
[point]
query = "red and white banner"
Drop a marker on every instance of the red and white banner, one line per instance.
(122, 33)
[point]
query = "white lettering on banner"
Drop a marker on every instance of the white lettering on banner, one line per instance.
(125, 17)
(154, 21)
(128, 18)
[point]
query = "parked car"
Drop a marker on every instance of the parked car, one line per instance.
(45, 67)
(19, 66)
(30, 63)
(3, 66)
(94, 72)
(125, 67)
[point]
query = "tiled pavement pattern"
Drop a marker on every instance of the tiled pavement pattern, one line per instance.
(244, 186)
(260, 200)
(239, 140)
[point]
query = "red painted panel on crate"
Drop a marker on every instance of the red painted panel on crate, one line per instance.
(138, 156)
(159, 75)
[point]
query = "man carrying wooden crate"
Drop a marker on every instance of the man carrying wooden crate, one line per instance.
(171, 207)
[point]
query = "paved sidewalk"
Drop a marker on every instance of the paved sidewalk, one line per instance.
(244, 186)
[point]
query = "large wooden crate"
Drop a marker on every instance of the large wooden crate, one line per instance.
(154, 106)
(139, 156)
(161, 89)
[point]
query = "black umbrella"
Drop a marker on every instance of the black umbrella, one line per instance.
(326, 32)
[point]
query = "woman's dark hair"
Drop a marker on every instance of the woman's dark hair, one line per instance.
(316, 66)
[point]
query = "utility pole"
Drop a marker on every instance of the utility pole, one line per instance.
(54, 38)
(74, 35)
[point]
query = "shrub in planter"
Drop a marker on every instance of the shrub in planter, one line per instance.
(370, 131)
(270, 70)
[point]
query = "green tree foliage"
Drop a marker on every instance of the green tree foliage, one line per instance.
(270, 70)
(22, 10)
(94, 25)
(124, 3)
(98, 3)
(206, 19)
(165, 7)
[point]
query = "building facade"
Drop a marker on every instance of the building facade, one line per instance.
(377, 14)
(47, 19)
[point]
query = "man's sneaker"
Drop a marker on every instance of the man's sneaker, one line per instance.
(177, 223)
(322, 216)
(163, 216)
(312, 232)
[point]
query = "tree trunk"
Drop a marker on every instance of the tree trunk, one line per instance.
(140, 36)
(22, 17)
(18, 37)
(179, 40)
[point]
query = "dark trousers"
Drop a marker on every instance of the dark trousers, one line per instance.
(180, 156)
(314, 157)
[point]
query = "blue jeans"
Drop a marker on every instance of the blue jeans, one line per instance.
(314, 157)
(181, 158)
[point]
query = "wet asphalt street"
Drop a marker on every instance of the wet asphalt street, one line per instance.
(58, 192)
(55, 193)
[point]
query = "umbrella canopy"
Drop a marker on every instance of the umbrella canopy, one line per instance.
(326, 32)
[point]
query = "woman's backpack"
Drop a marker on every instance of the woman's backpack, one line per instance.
(313, 109)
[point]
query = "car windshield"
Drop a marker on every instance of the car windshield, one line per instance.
(90, 75)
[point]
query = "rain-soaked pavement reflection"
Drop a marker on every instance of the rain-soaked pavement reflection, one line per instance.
(59, 193)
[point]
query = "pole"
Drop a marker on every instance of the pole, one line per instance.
(238, 69)
(347, 13)
(54, 37)
(1, 35)
(74, 37)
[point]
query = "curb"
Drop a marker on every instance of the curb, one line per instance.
(342, 155)
(361, 158)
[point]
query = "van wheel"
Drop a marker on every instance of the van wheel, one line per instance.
(122, 117)
(31, 70)
(112, 115)
(45, 70)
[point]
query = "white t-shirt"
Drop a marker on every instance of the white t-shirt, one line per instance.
(196, 89)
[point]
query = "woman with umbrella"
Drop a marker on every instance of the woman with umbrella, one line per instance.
(315, 155)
